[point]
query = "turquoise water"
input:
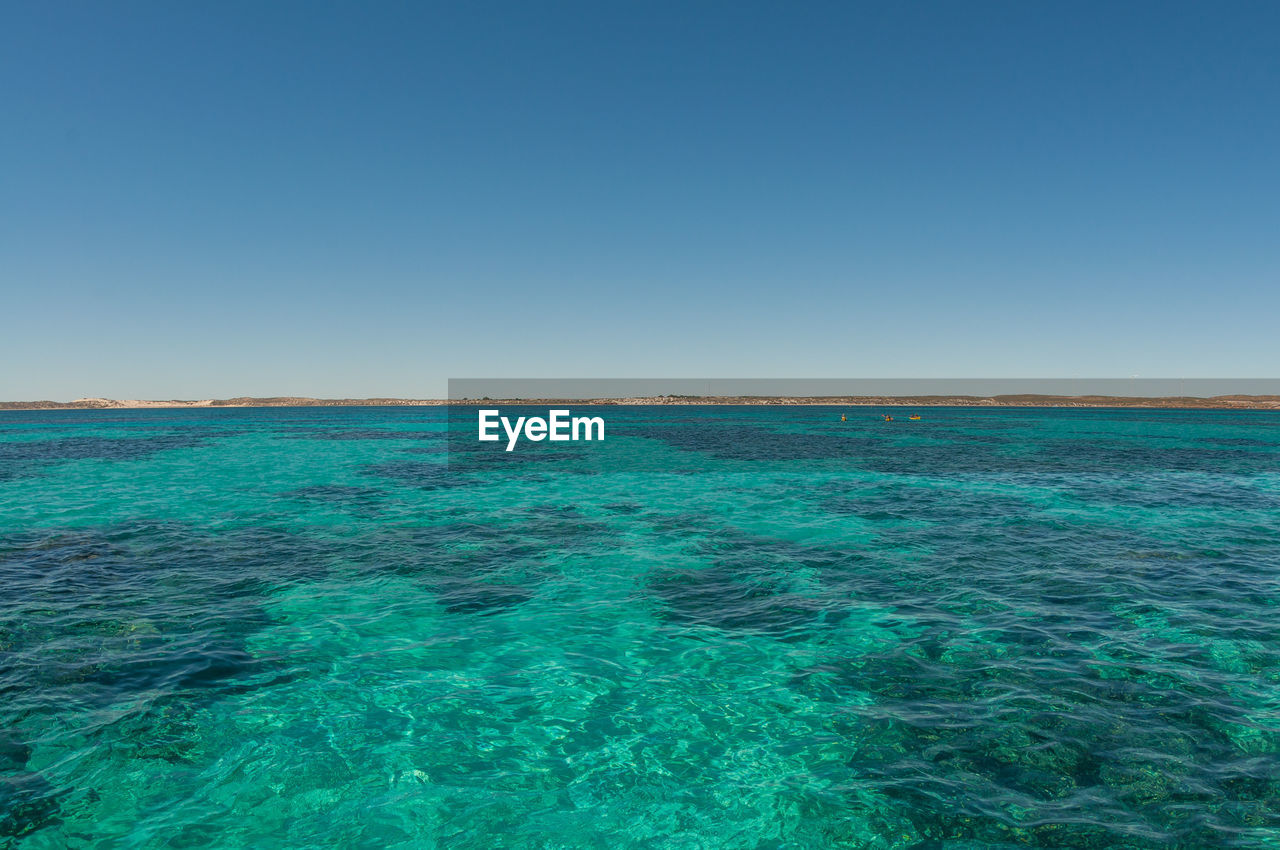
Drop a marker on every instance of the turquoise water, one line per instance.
(723, 628)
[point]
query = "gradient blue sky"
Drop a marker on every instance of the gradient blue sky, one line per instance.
(215, 199)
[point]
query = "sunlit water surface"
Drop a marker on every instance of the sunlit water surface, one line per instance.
(750, 628)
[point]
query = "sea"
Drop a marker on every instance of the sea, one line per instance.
(752, 627)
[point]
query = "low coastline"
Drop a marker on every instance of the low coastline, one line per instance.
(1224, 402)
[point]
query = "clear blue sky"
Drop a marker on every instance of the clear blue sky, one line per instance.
(213, 199)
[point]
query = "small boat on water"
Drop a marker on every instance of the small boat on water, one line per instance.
(888, 418)
(914, 416)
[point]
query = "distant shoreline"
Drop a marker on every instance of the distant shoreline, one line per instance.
(1225, 402)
